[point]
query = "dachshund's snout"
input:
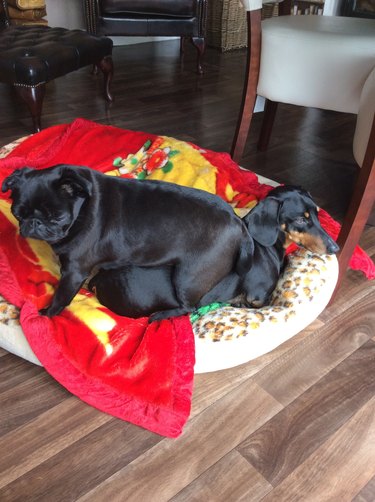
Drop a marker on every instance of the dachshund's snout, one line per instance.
(332, 247)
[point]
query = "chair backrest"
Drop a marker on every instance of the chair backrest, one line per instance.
(146, 17)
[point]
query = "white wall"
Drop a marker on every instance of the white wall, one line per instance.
(66, 14)
(331, 7)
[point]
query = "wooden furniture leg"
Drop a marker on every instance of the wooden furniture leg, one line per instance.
(267, 124)
(182, 45)
(250, 87)
(251, 84)
(359, 208)
(33, 97)
(271, 106)
(106, 66)
(200, 44)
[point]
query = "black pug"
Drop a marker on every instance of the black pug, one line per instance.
(139, 291)
(94, 220)
(135, 291)
(287, 214)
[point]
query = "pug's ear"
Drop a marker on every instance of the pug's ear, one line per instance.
(75, 184)
(15, 179)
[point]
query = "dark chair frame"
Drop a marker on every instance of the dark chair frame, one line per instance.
(195, 29)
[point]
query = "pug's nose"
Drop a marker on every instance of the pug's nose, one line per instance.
(35, 224)
(30, 227)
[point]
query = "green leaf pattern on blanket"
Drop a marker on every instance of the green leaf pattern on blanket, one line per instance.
(150, 157)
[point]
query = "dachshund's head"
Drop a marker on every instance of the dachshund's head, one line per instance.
(290, 212)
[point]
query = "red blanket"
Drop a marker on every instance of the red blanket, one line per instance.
(139, 372)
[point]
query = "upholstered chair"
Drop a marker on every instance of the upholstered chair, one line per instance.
(173, 18)
(315, 61)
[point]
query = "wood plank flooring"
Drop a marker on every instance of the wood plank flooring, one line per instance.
(297, 424)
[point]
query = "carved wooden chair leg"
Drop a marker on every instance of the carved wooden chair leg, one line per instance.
(200, 44)
(182, 45)
(106, 66)
(359, 208)
(250, 87)
(33, 97)
(267, 124)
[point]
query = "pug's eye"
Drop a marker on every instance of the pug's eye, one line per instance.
(67, 188)
(20, 213)
(56, 218)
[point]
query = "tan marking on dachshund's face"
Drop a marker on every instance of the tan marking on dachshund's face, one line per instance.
(288, 241)
(296, 215)
(311, 242)
(299, 221)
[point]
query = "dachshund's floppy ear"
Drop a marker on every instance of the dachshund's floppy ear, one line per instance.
(73, 183)
(263, 221)
(15, 178)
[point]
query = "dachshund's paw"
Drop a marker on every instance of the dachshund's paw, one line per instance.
(240, 305)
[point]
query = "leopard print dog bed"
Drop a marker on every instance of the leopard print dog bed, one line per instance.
(229, 336)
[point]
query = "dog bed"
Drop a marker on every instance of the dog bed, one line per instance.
(137, 371)
(227, 336)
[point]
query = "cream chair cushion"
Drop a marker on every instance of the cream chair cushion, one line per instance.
(316, 61)
(252, 4)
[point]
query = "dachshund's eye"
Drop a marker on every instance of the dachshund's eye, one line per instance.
(300, 220)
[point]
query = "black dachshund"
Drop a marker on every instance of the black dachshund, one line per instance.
(288, 214)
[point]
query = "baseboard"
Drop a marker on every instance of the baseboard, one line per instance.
(117, 41)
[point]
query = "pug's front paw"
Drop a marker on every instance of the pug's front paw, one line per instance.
(45, 312)
(50, 311)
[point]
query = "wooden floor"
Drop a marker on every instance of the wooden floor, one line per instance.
(297, 424)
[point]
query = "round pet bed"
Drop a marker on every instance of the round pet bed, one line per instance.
(226, 336)
(229, 336)
(138, 371)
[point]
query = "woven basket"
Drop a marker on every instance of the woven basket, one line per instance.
(28, 4)
(226, 23)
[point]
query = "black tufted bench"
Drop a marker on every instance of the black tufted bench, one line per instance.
(31, 56)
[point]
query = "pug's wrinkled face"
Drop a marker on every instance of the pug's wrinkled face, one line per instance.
(46, 203)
